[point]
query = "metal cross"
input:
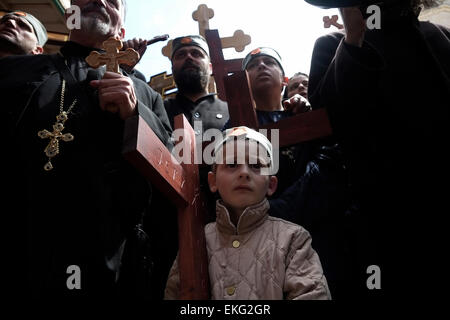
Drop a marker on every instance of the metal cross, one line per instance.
(52, 148)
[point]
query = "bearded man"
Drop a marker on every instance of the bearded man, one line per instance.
(80, 205)
(191, 68)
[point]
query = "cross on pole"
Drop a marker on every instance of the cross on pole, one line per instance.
(235, 89)
(112, 57)
(180, 183)
(202, 15)
(300, 128)
(221, 67)
(238, 41)
(162, 83)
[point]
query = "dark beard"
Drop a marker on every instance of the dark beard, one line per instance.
(7, 46)
(192, 80)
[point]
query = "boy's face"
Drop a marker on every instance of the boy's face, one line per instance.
(265, 74)
(298, 84)
(241, 185)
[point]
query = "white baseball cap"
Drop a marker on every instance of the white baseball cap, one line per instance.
(245, 133)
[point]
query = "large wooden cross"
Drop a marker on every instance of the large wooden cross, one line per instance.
(180, 183)
(238, 41)
(202, 15)
(236, 90)
(221, 67)
(299, 128)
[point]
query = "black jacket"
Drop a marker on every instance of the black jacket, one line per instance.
(211, 111)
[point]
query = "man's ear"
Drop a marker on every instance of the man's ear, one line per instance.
(210, 69)
(212, 181)
(122, 33)
(285, 81)
(37, 50)
(273, 183)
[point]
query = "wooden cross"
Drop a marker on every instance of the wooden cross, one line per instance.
(180, 183)
(299, 128)
(203, 15)
(221, 67)
(238, 41)
(235, 89)
(327, 22)
(162, 83)
(112, 57)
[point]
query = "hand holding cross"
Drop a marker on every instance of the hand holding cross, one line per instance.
(116, 92)
(112, 56)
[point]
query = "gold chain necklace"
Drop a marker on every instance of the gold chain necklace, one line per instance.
(52, 148)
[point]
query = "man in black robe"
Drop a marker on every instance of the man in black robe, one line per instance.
(77, 218)
(387, 92)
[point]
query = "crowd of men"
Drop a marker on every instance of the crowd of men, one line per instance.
(372, 194)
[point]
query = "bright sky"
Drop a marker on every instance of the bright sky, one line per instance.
(289, 26)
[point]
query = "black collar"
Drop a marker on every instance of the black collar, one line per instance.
(73, 49)
(180, 97)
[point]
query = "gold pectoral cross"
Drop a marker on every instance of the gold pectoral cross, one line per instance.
(52, 148)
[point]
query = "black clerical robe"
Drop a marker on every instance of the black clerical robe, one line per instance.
(88, 211)
(389, 107)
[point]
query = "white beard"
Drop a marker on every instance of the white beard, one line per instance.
(96, 26)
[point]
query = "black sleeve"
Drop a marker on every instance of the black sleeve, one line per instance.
(20, 78)
(344, 79)
(342, 71)
(151, 108)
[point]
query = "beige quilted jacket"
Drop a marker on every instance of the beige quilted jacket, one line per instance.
(263, 258)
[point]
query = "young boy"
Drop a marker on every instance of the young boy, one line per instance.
(252, 255)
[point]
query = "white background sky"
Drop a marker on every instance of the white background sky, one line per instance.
(289, 26)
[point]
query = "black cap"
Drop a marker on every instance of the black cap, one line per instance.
(262, 51)
(38, 27)
(193, 40)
